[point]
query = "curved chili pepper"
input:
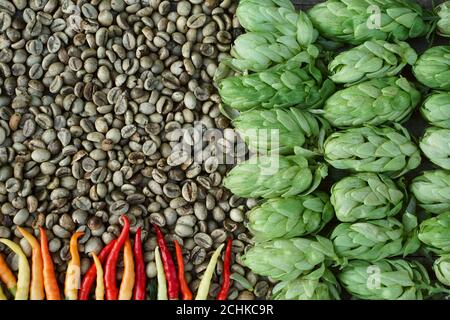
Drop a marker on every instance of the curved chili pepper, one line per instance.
(90, 275)
(186, 293)
(141, 277)
(23, 278)
(37, 277)
(162, 281)
(128, 278)
(2, 295)
(7, 276)
(111, 262)
(50, 283)
(205, 283)
(223, 293)
(169, 266)
(73, 274)
(100, 286)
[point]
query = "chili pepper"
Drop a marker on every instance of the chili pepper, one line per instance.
(169, 266)
(128, 278)
(50, 283)
(100, 285)
(141, 277)
(23, 278)
(203, 288)
(7, 276)
(223, 293)
(73, 274)
(186, 293)
(89, 277)
(2, 295)
(37, 278)
(162, 285)
(111, 262)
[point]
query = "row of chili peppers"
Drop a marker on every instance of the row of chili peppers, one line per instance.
(40, 282)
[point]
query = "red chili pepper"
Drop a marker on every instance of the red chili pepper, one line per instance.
(90, 276)
(141, 277)
(223, 293)
(169, 266)
(186, 293)
(112, 292)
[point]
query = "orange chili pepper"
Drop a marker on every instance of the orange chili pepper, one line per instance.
(37, 278)
(73, 275)
(100, 286)
(128, 278)
(186, 293)
(50, 283)
(7, 276)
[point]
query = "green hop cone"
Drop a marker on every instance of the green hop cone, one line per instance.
(386, 280)
(257, 51)
(290, 217)
(287, 259)
(374, 102)
(435, 144)
(294, 127)
(366, 196)
(294, 83)
(317, 285)
(436, 109)
(376, 239)
(432, 190)
(441, 268)
(435, 233)
(443, 24)
(372, 59)
(433, 68)
(373, 149)
(275, 176)
(355, 21)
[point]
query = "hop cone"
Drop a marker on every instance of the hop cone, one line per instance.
(294, 127)
(277, 17)
(317, 285)
(259, 50)
(443, 24)
(432, 191)
(433, 68)
(287, 259)
(436, 109)
(376, 239)
(355, 21)
(296, 82)
(366, 196)
(275, 176)
(373, 102)
(386, 280)
(435, 144)
(290, 217)
(372, 149)
(441, 268)
(372, 59)
(435, 233)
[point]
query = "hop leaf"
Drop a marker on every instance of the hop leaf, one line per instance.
(435, 109)
(373, 102)
(443, 24)
(371, 149)
(441, 268)
(435, 233)
(432, 190)
(435, 144)
(433, 68)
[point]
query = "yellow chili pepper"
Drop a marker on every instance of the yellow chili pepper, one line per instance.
(127, 284)
(203, 288)
(100, 286)
(7, 276)
(2, 295)
(23, 278)
(162, 285)
(73, 274)
(37, 276)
